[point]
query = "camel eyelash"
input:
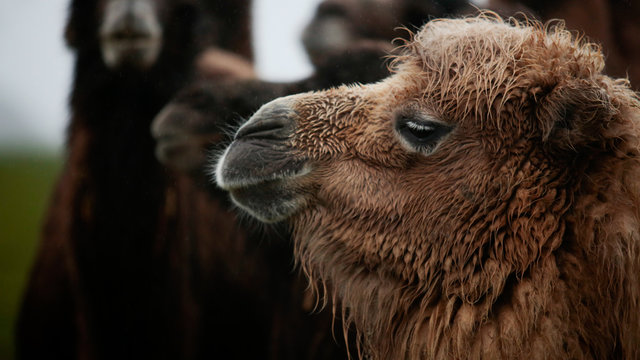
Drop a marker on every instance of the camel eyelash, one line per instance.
(421, 134)
(419, 127)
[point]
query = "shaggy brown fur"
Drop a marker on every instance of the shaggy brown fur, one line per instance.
(515, 233)
(614, 24)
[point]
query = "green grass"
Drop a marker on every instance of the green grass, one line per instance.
(26, 181)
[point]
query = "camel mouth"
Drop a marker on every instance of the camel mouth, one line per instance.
(268, 201)
(177, 120)
(184, 152)
(134, 41)
(139, 50)
(261, 177)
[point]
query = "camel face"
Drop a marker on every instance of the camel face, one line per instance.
(131, 33)
(433, 202)
(337, 25)
(434, 135)
(249, 176)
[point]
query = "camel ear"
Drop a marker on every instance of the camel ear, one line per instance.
(70, 29)
(79, 29)
(575, 114)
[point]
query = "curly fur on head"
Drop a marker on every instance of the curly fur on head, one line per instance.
(515, 236)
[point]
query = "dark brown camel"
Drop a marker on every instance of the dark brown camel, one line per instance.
(124, 269)
(112, 278)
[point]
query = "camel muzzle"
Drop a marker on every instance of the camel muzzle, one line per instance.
(260, 167)
(130, 34)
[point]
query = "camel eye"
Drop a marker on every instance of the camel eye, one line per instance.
(421, 134)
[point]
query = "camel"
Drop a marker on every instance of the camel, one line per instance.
(114, 277)
(134, 261)
(481, 202)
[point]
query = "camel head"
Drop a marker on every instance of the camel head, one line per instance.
(341, 25)
(131, 32)
(425, 201)
(135, 34)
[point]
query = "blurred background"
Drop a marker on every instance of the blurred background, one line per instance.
(35, 75)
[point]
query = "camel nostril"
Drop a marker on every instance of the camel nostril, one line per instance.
(274, 121)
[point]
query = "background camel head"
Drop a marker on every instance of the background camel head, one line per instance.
(441, 182)
(131, 33)
(341, 25)
(138, 34)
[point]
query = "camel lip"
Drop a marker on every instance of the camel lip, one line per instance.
(140, 42)
(180, 121)
(257, 182)
(184, 138)
(184, 152)
(139, 53)
(131, 36)
(252, 163)
(268, 201)
(233, 183)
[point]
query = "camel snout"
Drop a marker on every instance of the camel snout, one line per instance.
(131, 34)
(275, 121)
(183, 136)
(260, 168)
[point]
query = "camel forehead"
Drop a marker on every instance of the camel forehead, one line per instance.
(440, 37)
(489, 40)
(456, 30)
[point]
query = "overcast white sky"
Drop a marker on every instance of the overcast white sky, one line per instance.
(35, 66)
(35, 71)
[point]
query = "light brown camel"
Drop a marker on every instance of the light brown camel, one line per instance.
(482, 202)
